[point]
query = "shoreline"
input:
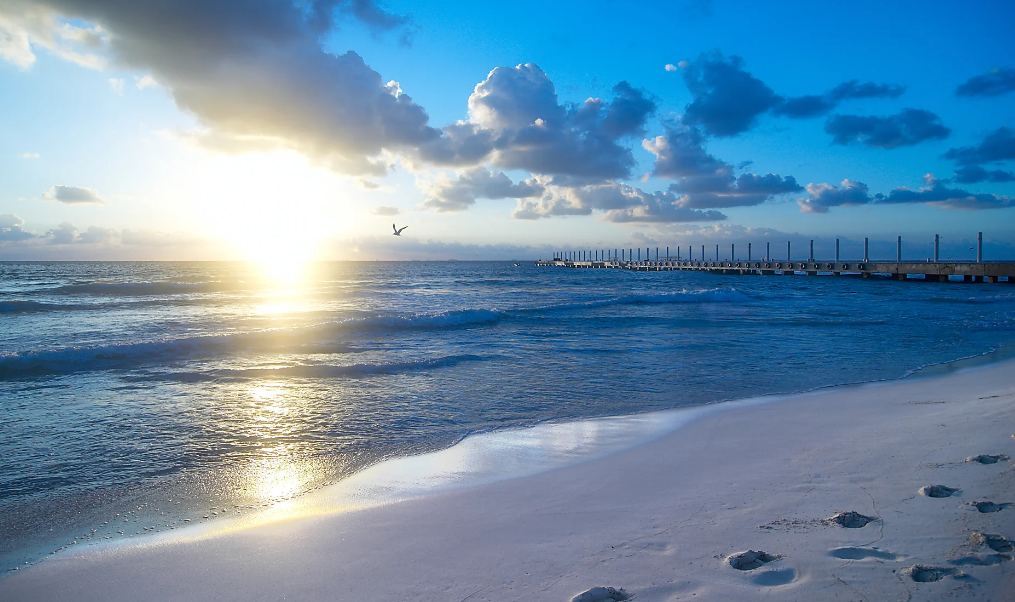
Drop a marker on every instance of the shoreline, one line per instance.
(406, 477)
(597, 488)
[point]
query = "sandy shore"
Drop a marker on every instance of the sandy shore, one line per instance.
(663, 521)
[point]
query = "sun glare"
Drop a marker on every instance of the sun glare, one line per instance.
(275, 209)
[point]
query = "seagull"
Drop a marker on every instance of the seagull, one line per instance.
(398, 231)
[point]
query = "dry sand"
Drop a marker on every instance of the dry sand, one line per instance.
(825, 496)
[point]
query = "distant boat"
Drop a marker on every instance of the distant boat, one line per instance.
(517, 264)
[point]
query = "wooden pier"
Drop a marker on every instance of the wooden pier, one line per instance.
(930, 270)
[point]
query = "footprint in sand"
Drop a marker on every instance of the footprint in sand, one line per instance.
(987, 507)
(853, 553)
(981, 560)
(750, 560)
(775, 577)
(985, 459)
(603, 594)
(851, 520)
(938, 491)
(927, 574)
(995, 542)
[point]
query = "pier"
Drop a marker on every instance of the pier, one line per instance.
(931, 270)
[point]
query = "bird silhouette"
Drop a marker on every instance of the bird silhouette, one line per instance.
(398, 231)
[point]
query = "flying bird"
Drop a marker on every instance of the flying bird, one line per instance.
(398, 231)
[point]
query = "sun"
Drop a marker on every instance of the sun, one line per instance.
(275, 209)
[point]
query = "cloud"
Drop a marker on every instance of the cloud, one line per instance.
(727, 98)
(997, 81)
(29, 155)
(97, 236)
(371, 186)
(824, 196)
(909, 127)
(517, 122)
(253, 72)
(934, 192)
(385, 210)
(73, 195)
(116, 84)
(671, 67)
(11, 228)
(406, 247)
(64, 234)
(620, 202)
(24, 24)
(368, 13)
(802, 107)
(146, 81)
(447, 195)
(999, 145)
(974, 173)
(704, 181)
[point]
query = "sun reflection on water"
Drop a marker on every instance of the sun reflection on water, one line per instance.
(276, 472)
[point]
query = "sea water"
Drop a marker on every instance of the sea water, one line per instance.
(138, 398)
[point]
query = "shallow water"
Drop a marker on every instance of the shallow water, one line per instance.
(152, 393)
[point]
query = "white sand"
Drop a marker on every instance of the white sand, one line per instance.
(659, 520)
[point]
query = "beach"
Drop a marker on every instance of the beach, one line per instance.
(663, 521)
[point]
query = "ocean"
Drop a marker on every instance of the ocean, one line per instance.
(139, 398)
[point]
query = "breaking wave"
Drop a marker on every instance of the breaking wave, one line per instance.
(126, 289)
(317, 339)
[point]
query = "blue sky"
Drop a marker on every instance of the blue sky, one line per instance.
(248, 130)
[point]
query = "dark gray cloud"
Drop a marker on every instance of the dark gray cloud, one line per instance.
(621, 203)
(12, 228)
(854, 89)
(974, 173)
(802, 107)
(727, 98)
(448, 195)
(934, 192)
(906, 128)
(704, 181)
(73, 195)
(517, 122)
(998, 145)
(997, 81)
(365, 11)
(254, 73)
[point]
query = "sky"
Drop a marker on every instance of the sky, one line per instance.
(281, 131)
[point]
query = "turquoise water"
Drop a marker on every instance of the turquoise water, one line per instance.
(139, 397)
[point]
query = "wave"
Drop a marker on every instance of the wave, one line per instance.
(303, 340)
(718, 295)
(315, 370)
(444, 319)
(986, 300)
(24, 307)
(127, 289)
(317, 339)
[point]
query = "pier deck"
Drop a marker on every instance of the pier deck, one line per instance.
(932, 271)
